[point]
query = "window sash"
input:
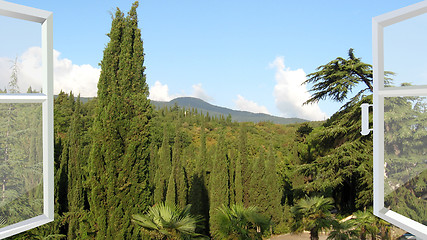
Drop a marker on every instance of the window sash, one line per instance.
(380, 92)
(46, 98)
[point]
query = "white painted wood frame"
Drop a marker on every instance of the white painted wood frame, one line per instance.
(46, 99)
(381, 92)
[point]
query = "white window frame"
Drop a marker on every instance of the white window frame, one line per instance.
(380, 92)
(46, 99)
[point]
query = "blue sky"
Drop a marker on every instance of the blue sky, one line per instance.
(247, 55)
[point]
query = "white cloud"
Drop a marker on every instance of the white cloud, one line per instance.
(81, 79)
(250, 106)
(68, 77)
(289, 94)
(160, 92)
(199, 92)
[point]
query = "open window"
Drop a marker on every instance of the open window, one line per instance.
(26, 138)
(400, 118)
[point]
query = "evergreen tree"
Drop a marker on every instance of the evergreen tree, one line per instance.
(63, 110)
(233, 159)
(340, 160)
(274, 195)
(198, 193)
(244, 165)
(258, 186)
(238, 182)
(76, 173)
(61, 181)
(178, 163)
(163, 169)
(171, 191)
(120, 152)
(219, 188)
(336, 79)
(154, 161)
(336, 157)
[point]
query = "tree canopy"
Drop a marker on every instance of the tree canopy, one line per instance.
(337, 79)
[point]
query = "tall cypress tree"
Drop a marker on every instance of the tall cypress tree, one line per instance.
(257, 184)
(178, 163)
(171, 191)
(198, 193)
(219, 187)
(238, 182)
(163, 169)
(232, 161)
(242, 165)
(120, 152)
(273, 192)
(76, 192)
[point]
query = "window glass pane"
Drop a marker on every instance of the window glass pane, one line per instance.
(405, 49)
(21, 162)
(20, 50)
(405, 156)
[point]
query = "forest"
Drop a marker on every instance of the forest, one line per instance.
(125, 169)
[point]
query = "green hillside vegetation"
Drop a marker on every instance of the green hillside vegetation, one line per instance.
(121, 163)
(201, 160)
(236, 115)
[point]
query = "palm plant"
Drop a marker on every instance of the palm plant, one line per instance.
(312, 214)
(384, 228)
(168, 222)
(343, 231)
(364, 222)
(238, 223)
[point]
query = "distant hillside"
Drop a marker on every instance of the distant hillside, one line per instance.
(239, 116)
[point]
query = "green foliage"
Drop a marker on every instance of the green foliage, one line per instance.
(343, 231)
(226, 115)
(171, 192)
(209, 147)
(238, 222)
(179, 166)
(219, 185)
(338, 160)
(336, 79)
(363, 223)
(164, 221)
(312, 214)
(198, 193)
(119, 157)
(257, 184)
(163, 169)
(274, 192)
(114, 156)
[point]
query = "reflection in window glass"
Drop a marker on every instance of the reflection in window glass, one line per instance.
(20, 51)
(405, 50)
(405, 156)
(21, 162)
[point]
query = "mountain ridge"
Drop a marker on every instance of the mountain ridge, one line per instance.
(213, 110)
